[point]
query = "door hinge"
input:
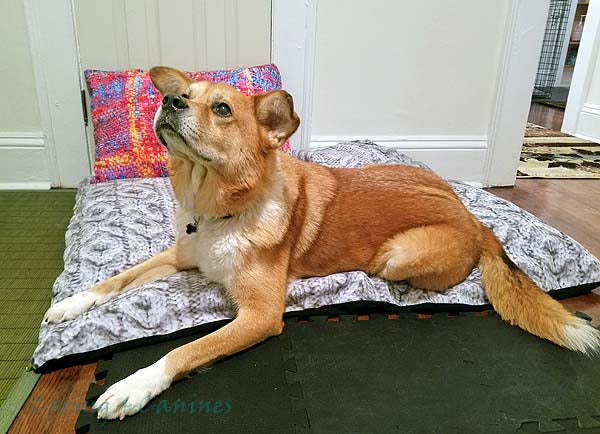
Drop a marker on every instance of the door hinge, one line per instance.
(84, 107)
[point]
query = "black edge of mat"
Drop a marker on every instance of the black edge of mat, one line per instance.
(355, 307)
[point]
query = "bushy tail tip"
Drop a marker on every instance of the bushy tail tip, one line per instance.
(579, 335)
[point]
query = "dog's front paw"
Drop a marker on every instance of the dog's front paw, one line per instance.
(131, 394)
(71, 307)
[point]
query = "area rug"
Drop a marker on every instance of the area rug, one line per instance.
(536, 135)
(549, 153)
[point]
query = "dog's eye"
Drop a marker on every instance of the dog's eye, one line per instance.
(185, 95)
(222, 110)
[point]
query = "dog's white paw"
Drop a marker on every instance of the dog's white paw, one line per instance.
(131, 394)
(72, 307)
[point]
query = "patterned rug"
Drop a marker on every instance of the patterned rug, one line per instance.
(549, 153)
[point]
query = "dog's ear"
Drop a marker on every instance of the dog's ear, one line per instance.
(169, 80)
(276, 117)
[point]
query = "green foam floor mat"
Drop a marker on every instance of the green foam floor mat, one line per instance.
(249, 387)
(32, 241)
(467, 373)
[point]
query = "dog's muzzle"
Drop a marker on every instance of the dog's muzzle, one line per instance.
(173, 102)
(172, 105)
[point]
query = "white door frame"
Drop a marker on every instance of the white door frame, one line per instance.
(523, 38)
(586, 63)
(294, 26)
(293, 34)
(293, 51)
(56, 73)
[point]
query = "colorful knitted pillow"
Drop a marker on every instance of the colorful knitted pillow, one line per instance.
(123, 104)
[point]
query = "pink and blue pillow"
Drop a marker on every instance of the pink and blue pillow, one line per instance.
(123, 104)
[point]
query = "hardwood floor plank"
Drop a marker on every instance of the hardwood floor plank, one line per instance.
(570, 205)
(54, 404)
(545, 116)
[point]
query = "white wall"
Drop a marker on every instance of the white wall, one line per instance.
(23, 155)
(410, 74)
(18, 110)
(406, 68)
(191, 35)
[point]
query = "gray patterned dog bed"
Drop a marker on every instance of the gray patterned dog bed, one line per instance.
(118, 224)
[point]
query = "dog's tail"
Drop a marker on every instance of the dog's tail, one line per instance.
(521, 302)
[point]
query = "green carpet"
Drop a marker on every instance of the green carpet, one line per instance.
(32, 231)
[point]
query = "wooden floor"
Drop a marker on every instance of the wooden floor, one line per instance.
(546, 116)
(573, 207)
(55, 402)
(570, 205)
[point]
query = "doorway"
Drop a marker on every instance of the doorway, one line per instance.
(549, 151)
(562, 38)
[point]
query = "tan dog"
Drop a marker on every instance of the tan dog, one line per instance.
(255, 219)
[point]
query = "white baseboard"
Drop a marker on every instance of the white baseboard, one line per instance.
(474, 184)
(409, 142)
(23, 161)
(588, 124)
(453, 157)
(25, 185)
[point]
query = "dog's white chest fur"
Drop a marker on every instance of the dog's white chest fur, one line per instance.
(217, 246)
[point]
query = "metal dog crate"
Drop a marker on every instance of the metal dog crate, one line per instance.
(556, 28)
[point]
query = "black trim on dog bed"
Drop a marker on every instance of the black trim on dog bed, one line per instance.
(353, 308)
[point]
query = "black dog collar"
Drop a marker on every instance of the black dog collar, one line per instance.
(191, 228)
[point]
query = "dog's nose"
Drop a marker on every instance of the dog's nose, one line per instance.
(174, 102)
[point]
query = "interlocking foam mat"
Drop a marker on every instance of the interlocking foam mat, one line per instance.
(467, 373)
